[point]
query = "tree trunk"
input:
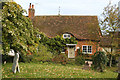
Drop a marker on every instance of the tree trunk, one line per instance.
(110, 61)
(15, 63)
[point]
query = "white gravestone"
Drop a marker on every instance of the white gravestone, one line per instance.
(11, 52)
(15, 66)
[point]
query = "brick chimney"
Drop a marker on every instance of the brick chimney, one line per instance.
(31, 11)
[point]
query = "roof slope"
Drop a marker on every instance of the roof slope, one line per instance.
(82, 27)
(106, 41)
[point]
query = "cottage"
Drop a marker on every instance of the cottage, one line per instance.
(85, 29)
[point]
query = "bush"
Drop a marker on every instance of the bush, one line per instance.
(42, 55)
(79, 60)
(25, 58)
(7, 58)
(61, 58)
(99, 61)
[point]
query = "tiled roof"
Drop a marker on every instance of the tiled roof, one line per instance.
(106, 41)
(82, 27)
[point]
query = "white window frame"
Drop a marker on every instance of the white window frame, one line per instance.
(87, 49)
(66, 36)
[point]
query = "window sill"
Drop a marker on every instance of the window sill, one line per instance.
(86, 53)
(62, 52)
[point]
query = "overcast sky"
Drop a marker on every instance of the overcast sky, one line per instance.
(67, 7)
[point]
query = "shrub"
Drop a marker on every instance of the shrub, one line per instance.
(60, 58)
(80, 52)
(99, 61)
(7, 58)
(25, 58)
(42, 54)
(79, 60)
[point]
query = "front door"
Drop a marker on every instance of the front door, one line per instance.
(71, 52)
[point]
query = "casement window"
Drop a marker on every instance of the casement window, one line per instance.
(66, 36)
(87, 49)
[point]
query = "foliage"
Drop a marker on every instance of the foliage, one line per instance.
(79, 60)
(118, 78)
(79, 52)
(61, 58)
(109, 25)
(114, 60)
(57, 43)
(7, 58)
(26, 58)
(42, 54)
(99, 60)
(17, 31)
(109, 19)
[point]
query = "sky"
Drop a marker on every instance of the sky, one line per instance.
(67, 7)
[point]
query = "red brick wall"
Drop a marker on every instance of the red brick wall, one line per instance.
(92, 43)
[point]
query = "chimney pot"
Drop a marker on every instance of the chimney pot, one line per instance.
(32, 6)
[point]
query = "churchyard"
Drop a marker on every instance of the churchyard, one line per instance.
(37, 55)
(51, 70)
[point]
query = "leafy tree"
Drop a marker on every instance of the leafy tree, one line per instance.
(17, 31)
(99, 60)
(109, 24)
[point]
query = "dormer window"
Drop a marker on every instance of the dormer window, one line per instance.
(66, 36)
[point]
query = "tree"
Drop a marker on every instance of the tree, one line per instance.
(99, 60)
(109, 24)
(17, 31)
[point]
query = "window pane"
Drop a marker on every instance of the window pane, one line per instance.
(64, 35)
(89, 49)
(68, 35)
(84, 48)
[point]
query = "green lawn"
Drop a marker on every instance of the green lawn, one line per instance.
(36, 70)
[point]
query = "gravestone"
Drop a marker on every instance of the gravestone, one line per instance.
(15, 66)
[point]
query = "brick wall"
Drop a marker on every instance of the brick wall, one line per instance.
(92, 43)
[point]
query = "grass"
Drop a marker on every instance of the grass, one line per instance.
(45, 70)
